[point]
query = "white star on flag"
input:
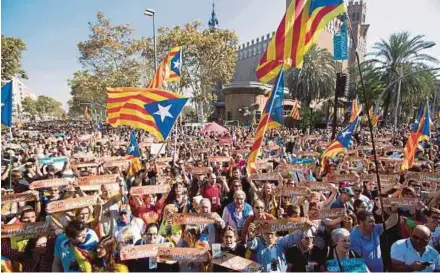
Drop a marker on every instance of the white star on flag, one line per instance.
(131, 148)
(164, 112)
(344, 134)
(176, 64)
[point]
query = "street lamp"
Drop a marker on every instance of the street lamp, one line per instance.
(150, 12)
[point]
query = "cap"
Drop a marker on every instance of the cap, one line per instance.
(347, 190)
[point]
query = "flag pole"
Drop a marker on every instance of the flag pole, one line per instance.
(370, 127)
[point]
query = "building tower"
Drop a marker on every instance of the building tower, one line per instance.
(357, 11)
(213, 22)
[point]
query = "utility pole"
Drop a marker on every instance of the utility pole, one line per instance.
(399, 86)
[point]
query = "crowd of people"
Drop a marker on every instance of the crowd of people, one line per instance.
(72, 201)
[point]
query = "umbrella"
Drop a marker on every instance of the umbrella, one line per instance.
(214, 127)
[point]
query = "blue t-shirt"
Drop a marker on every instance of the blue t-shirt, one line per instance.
(63, 250)
(369, 248)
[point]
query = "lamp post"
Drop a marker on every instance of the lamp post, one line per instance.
(152, 13)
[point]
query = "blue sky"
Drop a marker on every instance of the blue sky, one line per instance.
(52, 29)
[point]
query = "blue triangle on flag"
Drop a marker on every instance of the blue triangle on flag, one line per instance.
(133, 147)
(7, 104)
(165, 113)
(176, 62)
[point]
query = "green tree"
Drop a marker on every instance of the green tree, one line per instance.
(402, 55)
(12, 49)
(111, 57)
(48, 107)
(30, 106)
(316, 79)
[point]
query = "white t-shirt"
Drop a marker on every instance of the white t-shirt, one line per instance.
(403, 251)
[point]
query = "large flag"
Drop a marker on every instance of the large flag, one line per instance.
(340, 144)
(272, 117)
(169, 69)
(295, 114)
(413, 140)
(426, 126)
(376, 117)
(134, 154)
(153, 110)
(356, 109)
(7, 104)
(298, 31)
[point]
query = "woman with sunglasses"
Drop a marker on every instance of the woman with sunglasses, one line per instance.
(304, 256)
(259, 214)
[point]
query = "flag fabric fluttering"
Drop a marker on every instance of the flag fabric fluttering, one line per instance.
(413, 139)
(356, 109)
(298, 30)
(169, 69)
(295, 114)
(133, 154)
(376, 117)
(153, 110)
(426, 126)
(340, 144)
(86, 113)
(7, 104)
(272, 117)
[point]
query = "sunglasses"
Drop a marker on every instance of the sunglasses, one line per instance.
(259, 207)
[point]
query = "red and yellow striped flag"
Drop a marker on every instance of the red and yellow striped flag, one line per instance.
(86, 113)
(295, 114)
(413, 140)
(298, 31)
(272, 117)
(169, 69)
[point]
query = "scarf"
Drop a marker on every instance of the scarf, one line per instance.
(246, 211)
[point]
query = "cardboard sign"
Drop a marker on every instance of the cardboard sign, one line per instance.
(383, 177)
(390, 159)
(25, 229)
(307, 154)
(122, 163)
(326, 213)
(319, 186)
(183, 254)
(194, 218)
(164, 159)
(425, 177)
(71, 203)
(18, 197)
(141, 251)
(201, 151)
(275, 225)
(293, 191)
(200, 170)
(274, 176)
(152, 189)
(49, 183)
(400, 202)
(112, 186)
(291, 168)
(97, 179)
(349, 265)
(341, 178)
(83, 165)
(226, 141)
(241, 151)
(238, 263)
(219, 159)
(263, 166)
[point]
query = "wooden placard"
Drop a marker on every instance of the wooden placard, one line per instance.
(97, 179)
(394, 149)
(164, 159)
(425, 177)
(273, 176)
(331, 178)
(310, 138)
(292, 168)
(152, 189)
(84, 165)
(18, 197)
(275, 225)
(201, 151)
(293, 191)
(385, 139)
(259, 166)
(364, 148)
(113, 186)
(25, 229)
(49, 183)
(123, 163)
(237, 263)
(390, 159)
(141, 251)
(326, 213)
(226, 141)
(200, 170)
(241, 151)
(219, 159)
(318, 186)
(194, 218)
(183, 254)
(109, 159)
(71, 203)
(400, 202)
(383, 177)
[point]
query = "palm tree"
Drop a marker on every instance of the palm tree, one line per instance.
(402, 55)
(316, 79)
